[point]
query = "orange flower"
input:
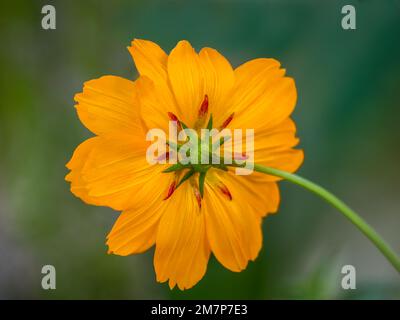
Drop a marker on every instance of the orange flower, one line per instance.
(111, 169)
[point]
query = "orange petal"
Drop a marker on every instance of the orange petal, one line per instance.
(135, 230)
(287, 160)
(233, 228)
(77, 162)
(187, 81)
(117, 174)
(155, 93)
(182, 251)
(150, 59)
(218, 81)
(108, 105)
(261, 92)
(154, 108)
(274, 147)
(261, 194)
(280, 136)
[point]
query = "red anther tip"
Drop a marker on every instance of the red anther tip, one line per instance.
(198, 197)
(171, 190)
(227, 121)
(226, 192)
(164, 156)
(172, 116)
(204, 107)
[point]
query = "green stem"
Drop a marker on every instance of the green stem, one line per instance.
(364, 227)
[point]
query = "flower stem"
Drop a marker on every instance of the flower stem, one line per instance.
(363, 226)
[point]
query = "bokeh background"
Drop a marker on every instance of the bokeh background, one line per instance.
(348, 117)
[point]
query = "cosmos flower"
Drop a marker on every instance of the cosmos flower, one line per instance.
(210, 210)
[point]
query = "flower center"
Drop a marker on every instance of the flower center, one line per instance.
(198, 163)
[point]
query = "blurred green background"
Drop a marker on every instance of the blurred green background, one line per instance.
(347, 115)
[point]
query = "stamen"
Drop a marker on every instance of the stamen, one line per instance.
(198, 196)
(202, 115)
(196, 190)
(171, 190)
(227, 121)
(224, 189)
(164, 156)
(204, 107)
(173, 117)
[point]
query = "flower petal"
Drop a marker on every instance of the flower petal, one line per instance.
(77, 162)
(233, 228)
(108, 105)
(155, 94)
(287, 160)
(261, 92)
(182, 251)
(135, 230)
(262, 195)
(150, 59)
(218, 81)
(116, 174)
(154, 109)
(187, 81)
(273, 147)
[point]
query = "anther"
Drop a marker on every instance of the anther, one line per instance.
(164, 156)
(198, 196)
(227, 121)
(202, 115)
(204, 107)
(224, 189)
(173, 117)
(171, 190)
(196, 191)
